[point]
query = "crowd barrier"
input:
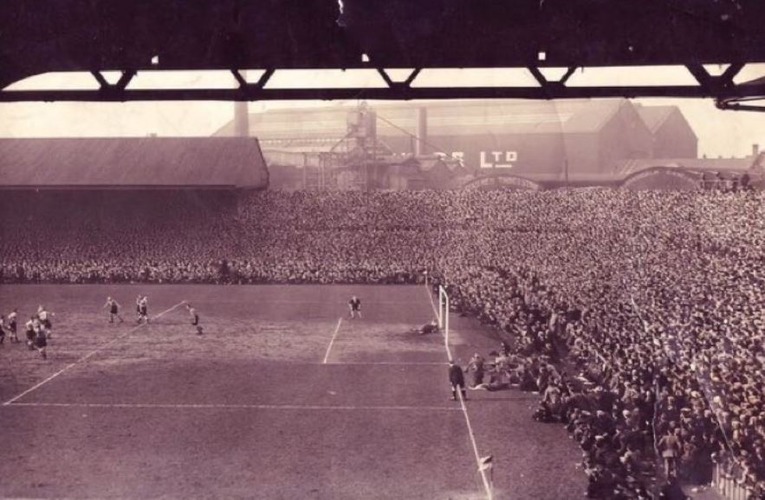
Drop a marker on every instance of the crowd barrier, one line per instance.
(728, 483)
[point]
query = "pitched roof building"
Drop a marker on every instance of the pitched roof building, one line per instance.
(132, 163)
(673, 136)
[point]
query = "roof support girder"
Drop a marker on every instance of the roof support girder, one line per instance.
(401, 86)
(722, 88)
(120, 86)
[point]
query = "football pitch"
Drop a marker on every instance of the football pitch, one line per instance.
(283, 396)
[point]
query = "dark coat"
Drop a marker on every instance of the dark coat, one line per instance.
(455, 375)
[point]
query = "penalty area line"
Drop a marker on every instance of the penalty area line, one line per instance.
(332, 341)
(90, 354)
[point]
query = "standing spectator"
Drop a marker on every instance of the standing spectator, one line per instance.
(671, 449)
(476, 364)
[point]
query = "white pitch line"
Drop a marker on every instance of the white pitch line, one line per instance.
(234, 406)
(486, 484)
(86, 356)
(386, 363)
(334, 335)
(435, 311)
(432, 304)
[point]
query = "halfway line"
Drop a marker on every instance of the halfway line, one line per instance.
(235, 406)
(83, 358)
(334, 335)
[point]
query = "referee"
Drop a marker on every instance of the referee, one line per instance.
(457, 380)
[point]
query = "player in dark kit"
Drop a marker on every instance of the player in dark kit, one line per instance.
(114, 309)
(41, 342)
(194, 319)
(457, 380)
(429, 327)
(355, 307)
(29, 328)
(44, 316)
(12, 325)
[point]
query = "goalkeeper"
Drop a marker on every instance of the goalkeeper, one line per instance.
(429, 327)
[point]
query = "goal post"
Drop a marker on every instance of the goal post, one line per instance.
(443, 312)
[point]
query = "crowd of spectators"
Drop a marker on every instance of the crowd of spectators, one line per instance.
(651, 304)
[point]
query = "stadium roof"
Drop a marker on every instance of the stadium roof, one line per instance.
(133, 37)
(443, 118)
(149, 162)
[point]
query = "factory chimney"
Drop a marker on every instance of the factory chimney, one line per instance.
(241, 116)
(241, 119)
(421, 148)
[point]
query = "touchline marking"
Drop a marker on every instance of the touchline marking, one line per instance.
(85, 357)
(486, 485)
(334, 335)
(235, 406)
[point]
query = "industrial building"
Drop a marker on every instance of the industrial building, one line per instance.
(447, 144)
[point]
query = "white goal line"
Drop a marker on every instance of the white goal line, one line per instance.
(224, 406)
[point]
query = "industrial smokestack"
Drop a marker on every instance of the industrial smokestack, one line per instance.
(755, 150)
(241, 119)
(421, 148)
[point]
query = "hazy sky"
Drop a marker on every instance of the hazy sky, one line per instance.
(721, 133)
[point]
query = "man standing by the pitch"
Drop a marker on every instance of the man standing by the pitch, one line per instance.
(355, 307)
(457, 380)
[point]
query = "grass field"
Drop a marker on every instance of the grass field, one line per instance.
(282, 397)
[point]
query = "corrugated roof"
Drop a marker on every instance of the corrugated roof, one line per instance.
(132, 162)
(464, 117)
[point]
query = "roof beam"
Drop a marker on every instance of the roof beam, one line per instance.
(402, 85)
(261, 83)
(551, 86)
(120, 85)
(399, 91)
(715, 84)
